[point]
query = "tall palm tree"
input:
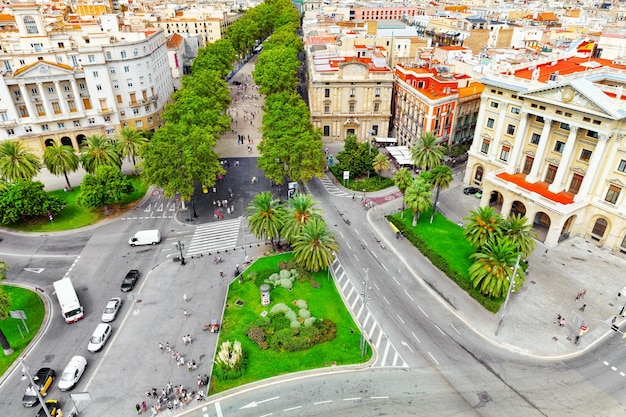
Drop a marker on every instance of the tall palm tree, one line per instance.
(301, 209)
(426, 154)
(380, 163)
(441, 179)
(519, 231)
(130, 143)
(493, 268)
(484, 224)
(5, 304)
(265, 217)
(417, 198)
(16, 162)
(99, 151)
(61, 159)
(402, 180)
(315, 247)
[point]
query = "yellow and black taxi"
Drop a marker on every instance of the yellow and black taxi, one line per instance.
(43, 380)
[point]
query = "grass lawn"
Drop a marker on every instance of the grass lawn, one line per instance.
(445, 240)
(324, 302)
(74, 216)
(31, 304)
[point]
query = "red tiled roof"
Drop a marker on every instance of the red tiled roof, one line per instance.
(540, 188)
(564, 67)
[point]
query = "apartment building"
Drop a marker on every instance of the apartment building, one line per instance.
(208, 23)
(62, 82)
(549, 145)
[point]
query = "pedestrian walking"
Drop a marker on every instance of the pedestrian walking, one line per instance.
(186, 313)
(185, 297)
(144, 406)
(153, 410)
(167, 346)
(161, 347)
(138, 408)
(562, 322)
(583, 307)
(189, 338)
(221, 274)
(577, 297)
(353, 197)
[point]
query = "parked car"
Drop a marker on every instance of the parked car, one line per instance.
(53, 407)
(130, 280)
(43, 379)
(99, 337)
(112, 308)
(470, 190)
(479, 194)
(72, 373)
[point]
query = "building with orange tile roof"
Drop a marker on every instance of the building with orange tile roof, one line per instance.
(549, 145)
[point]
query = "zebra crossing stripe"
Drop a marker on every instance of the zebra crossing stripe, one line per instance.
(380, 336)
(215, 236)
(384, 358)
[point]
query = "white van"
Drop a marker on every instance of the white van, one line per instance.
(99, 337)
(145, 237)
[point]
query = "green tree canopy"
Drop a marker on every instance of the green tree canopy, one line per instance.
(417, 197)
(315, 247)
(16, 162)
(5, 304)
(26, 199)
(107, 186)
(61, 159)
(519, 231)
(277, 69)
(355, 157)
(441, 179)
(483, 225)
(493, 267)
(99, 151)
(130, 142)
(426, 153)
(265, 217)
(299, 211)
(380, 163)
(217, 56)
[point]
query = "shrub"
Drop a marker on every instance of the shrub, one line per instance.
(305, 314)
(281, 340)
(286, 283)
(327, 329)
(309, 321)
(230, 361)
(257, 335)
(295, 324)
(279, 308)
(291, 315)
(301, 304)
(284, 274)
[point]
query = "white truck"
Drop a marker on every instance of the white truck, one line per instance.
(68, 300)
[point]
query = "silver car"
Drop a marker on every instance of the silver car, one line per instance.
(112, 308)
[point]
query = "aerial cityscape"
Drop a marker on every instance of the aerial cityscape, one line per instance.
(305, 208)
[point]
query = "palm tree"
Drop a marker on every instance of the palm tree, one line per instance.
(99, 151)
(402, 180)
(441, 179)
(16, 162)
(519, 231)
(426, 154)
(300, 210)
(130, 143)
(61, 159)
(5, 304)
(314, 249)
(493, 268)
(380, 163)
(484, 225)
(265, 217)
(417, 198)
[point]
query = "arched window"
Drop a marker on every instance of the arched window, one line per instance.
(478, 178)
(49, 142)
(599, 228)
(136, 52)
(66, 141)
(81, 139)
(31, 25)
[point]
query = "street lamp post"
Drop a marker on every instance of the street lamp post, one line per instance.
(508, 294)
(363, 343)
(180, 246)
(193, 205)
(26, 372)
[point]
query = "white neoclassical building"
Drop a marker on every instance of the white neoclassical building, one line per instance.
(549, 143)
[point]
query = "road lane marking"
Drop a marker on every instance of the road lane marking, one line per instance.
(366, 318)
(352, 399)
(416, 338)
(455, 329)
(360, 311)
(218, 409)
(384, 267)
(291, 408)
(357, 258)
(385, 298)
(408, 295)
(386, 352)
(394, 278)
(431, 355)
(405, 344)
(323, 402)
(440, 331)
(423, 312)
(380, 397)
(380, 336)
(400, 318)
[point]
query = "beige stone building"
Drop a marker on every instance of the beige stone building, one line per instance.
(549, 144)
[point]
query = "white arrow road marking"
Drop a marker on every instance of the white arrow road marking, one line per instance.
(256, 403)
(407, 345)
(35, 270)
(160, 208)
(148, 209)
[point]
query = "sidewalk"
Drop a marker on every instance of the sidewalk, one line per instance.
(555, 277)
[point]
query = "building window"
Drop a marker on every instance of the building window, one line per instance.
(484, 148)
(123, 53)
(129, 82)
(109, 56)
(116, 85)
(534, 139)
(326, 108)
(112, 70)
(559, 146)
(126, 68)
(515, 110)
(599, 228)
(622, 166)
(51, 90)
(138, 123)
(135, 52)
(92, 121)
(91, 58)
(574, 186)
(585, 155)
(539, 119)
(31, 25)
(76, 123)
(377, 92)
(592, 134)
(612, 194)
(551, 173)
(510, 129)
(61, 125)
(376, 107)
(352, 92)
(326, 130)
(28, 129)
(351, 108)
(528, 164)
(494, 104)
(504, 153)
(10, 132)
(34, 91)
(564, 126)
(327, 92)
(99, 87)
(490, 123)
(374, 130)
(135, 111)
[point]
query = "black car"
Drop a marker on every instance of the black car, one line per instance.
(43, 380)
(130, 280)
(53, 408)
(470, 190)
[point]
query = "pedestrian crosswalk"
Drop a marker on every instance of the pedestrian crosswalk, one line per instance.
(387, 356)
(215, 236)
(155, 210)
(331, 188)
